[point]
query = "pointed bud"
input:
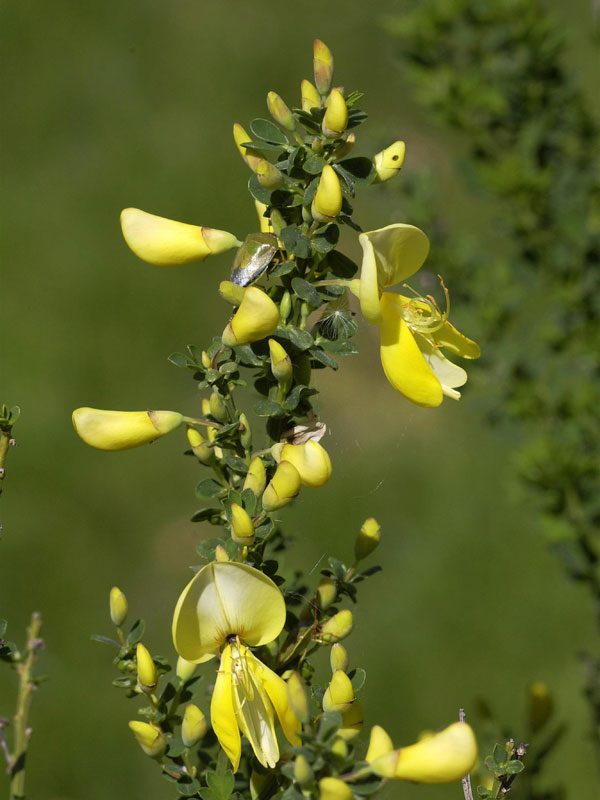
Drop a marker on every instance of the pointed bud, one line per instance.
(194, 725)
(297, 697)
(278, 223)
(280, 112)
(246, 433)
(339, 747)
(264, 222)
(242, 528)
(185, 669)
(336, 115)
(118, 606)
(167, 243)
(282, 488)
(221, 553)
(317, 145)
(303, 774)
(146, 668)
(311, 460)
(150, 739)
(323, 66)
(334, 789)
(268, 175)
(217, 407)
(338, 657)
(342, 150)
(232, 293)
(380, 744)
(285, 306)
(250, 156)
(328, 199)
(352, 721)
(326, 593)
(257, 317)
(204, 453)
(368, 538)
(338, 627)
(256, 477)
(122, 430)
(339, 695)
(388, 161)
(310, 96)
(540, 705)
(205, 360)
(281, 364)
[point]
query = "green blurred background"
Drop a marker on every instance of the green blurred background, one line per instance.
(115, 104)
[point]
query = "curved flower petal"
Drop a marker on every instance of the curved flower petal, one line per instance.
(166, 243)
(446, 756)
(390, 255)
(450, 375)
(447, 336)
(276, 689)
(403, 363)
(224, 599)
(311, 460)
(122, 430)
(380, 743)
(222, 712)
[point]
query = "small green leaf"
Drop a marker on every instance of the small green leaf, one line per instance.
(341, 265)
(298, 392)
(307, 292)
(268, 131)
(262, 146)
(360, 170)
(283, 269)
(188, 786)
(97, 637)
(181, 360)
(221, 785)
(295, 242)
(338, 568)
(314, 165)
(299, 338)
(249, 501)
(236, 464)
(209, 488)
(136, 632)
(326, 239)
(246, 356)
(355, 117)
(340, 348)
(322, 357)
(514, 767)
(329, 725)
(358, 677)
(268, 408)
(212, 515)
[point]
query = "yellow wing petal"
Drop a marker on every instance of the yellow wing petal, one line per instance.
(445, 757)
(447, 336)
(276, 689)
(222, 713)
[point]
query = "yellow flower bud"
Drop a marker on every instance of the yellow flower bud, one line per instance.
(285, 306)
(167, 243)
(280, 112)
(303, 774)
(323, 66)
(338, 627)
(380, 744)
(334, 789)
(194, 725)
(257, 317)
(342, 150)
(326, 592)
(281, 363)
(217, 407)
(242, 527)
(339, 695)
(231, 292)
(150, 739)
(206, 360)
(310, 96)
(118, 606)
(352, 721)
(246, 433)
(268, 174)
(122, 430)
(297, 697)
(146, 668)
(256, 477)
(204, 453)
(185, 669)
(388, 161)
(339, 747)
(221, 553)
(368, 538)
(311, 460)
(338, 657)
(336, 115)
(540, 705)
(250, 156)
(282, 488)
(264, 222)
(328, 199)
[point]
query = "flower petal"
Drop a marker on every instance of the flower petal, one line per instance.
(122, 430)
(450, 375)
(404, 365)
(222, 712)
(446, 756)
(253, 708)
(456, 342)
(380, 743)
(390, 255)
(276, 689)
(224, 599)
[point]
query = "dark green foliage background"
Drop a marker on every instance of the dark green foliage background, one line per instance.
(116, 104)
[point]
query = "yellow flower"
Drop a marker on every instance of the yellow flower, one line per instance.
(257, 317)
(122, 430)
(311, 460)
(150, 738)
(327, 203)
(413, 330)
(224, 610)
(168, 243)
(439, 758)
(118, 606)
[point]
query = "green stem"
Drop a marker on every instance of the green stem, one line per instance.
(4, 445)
(26, 688)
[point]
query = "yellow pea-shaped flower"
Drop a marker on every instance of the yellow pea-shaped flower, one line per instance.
(146, 668)
(311, 460)
(282, 488)
(149, 738)
(339, 695)
(194, 726)
(122, 430)
(388, 161)
(257, 317)
(328, 199)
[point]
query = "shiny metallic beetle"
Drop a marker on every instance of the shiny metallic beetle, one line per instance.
(253, 257)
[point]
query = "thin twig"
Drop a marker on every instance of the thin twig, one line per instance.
(466, 781)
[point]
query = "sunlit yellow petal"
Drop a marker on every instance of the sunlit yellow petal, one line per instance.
(253, 709)
(311, 460)
(445, 757)
(403, 363)
(447, 336)
(122, 430)
(276, 689)
(224, 599)
(222, 712)
(449, 375)
(379, 744)
(167, 243)
(257, 317)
